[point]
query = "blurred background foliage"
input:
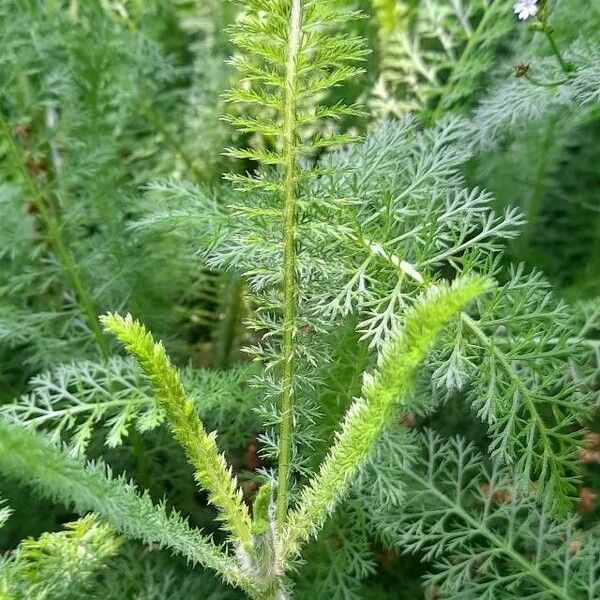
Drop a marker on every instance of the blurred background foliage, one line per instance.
(98, 98)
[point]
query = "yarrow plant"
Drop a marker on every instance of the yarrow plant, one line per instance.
(410, 388)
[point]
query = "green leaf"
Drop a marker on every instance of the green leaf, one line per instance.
(212, 472)
(482, 537)
(382, 392)
(32, 460)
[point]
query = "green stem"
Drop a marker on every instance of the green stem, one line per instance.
(53, 230)
(564, 65)
(225, 333)
(290, 285)
(539, 83)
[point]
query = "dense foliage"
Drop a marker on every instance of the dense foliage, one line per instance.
(299, 299)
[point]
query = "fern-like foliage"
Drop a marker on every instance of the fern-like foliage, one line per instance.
(76, 145)
(436, 54)
(367, 416)
(289, 55)
(412, 222)
(74, 400)
(363, 269)
(59, 565)
(518, 383)
(396, 213)
(547, 90)
(336, 565)
(484, 538)
(511, 354)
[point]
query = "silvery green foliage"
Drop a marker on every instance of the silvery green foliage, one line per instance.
(484, 538)
(261, 556)
(76, 399)
(419, 218)
(373, 235)
(385, 387)
(389, 244)
(511, 361)
(416, 216)
(74, 89)
(395, 209)
(547, 90)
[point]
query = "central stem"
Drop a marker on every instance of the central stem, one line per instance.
(290, 284)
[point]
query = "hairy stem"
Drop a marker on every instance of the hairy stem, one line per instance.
(54, 232)
(211, 470)
(290, 291)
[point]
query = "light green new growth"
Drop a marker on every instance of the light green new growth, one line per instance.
(212, 472)
(59, 564)
(29, 458)
(381, 394)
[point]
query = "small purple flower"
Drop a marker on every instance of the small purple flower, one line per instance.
(525, 9)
